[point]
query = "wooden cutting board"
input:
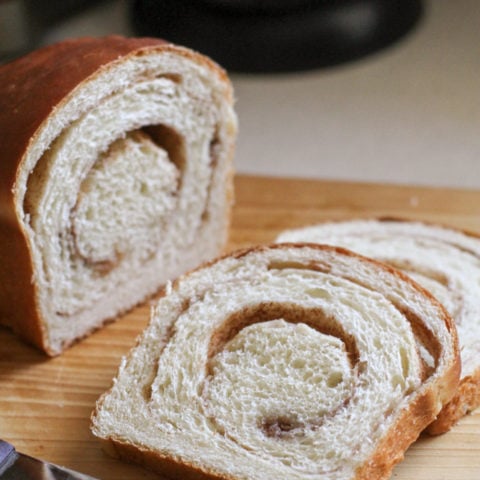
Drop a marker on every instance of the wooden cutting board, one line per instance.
(45, 404)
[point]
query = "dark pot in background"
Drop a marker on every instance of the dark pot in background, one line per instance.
(276, 36)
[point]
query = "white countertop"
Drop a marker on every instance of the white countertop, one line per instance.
(408, 114)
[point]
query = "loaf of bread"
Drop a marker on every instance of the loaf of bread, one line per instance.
(444, 260)
(116, 175)
(288, 361)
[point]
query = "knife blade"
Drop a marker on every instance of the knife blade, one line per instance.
(18, 466)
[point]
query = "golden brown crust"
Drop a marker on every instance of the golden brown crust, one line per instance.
(466, 399)
(17, 308)
(31, 88)
(399, 438)
(168, 466)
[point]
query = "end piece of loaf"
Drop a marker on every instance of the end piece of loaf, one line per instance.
(444, 260)
(116, 175)
(289, 361)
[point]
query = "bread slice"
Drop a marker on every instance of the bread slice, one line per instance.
(116, 175)
(289, 361)
(444, 260)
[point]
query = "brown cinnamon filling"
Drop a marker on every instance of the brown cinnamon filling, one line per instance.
(173, 77)
(315, 266)
(408, 267)
(171, 141)
(165, 137)
(214, 157)
(287, 426)
(284, 427)
(456, 296)
(281, 427)
(426, 339)
(290, 312)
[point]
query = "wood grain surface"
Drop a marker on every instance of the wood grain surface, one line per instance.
(45, 404)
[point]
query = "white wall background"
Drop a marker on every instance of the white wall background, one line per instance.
(409, 114)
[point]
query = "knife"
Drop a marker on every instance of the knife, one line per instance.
(17, 466)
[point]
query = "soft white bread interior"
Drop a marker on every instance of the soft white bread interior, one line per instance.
(289, 361)
(125, 183)
(444, 260)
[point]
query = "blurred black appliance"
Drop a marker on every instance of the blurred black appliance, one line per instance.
(278, 35)
(22, 22)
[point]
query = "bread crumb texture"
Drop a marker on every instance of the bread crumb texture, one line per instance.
(288, 361)
(444, 260)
